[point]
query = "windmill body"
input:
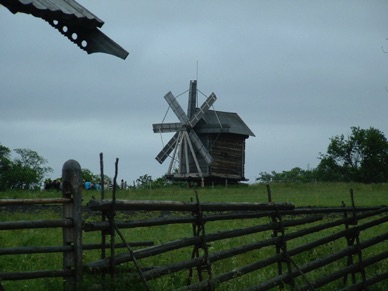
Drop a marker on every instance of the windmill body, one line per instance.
(208, 145)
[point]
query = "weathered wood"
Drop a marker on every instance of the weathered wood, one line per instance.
(172, 268)
(35, 250)
(369, 282)
(328, 239)
(35, 274)
(320, 262)
(186, 206)
(71, 189)
(111, 217)
(228, 152)
(356, 267)
(159, 249)
(61, 249)
(224, 211)
(274, 259)
(119, 245)
(318, 210)
(270, 260)
(78, 21)
(94, 226)
(9, 202)
(235, 233)
(123, 258)
(23, 224)
(104, 225)
(221, 255)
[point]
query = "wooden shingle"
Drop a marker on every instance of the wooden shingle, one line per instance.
(72, 20)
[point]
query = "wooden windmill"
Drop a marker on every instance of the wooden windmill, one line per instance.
(207, 146)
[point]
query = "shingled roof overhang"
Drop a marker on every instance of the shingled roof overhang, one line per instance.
(220, 121)
(71, 19)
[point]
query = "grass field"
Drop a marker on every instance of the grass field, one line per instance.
(300, 194)
(313, 194)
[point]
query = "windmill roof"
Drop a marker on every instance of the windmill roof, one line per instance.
(231, 119)
(77, 20)
(54, 9)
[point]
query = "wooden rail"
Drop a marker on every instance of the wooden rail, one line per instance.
(280, 225)
(40, 201)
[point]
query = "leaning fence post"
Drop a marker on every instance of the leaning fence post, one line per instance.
(269, 193)
(71, 188)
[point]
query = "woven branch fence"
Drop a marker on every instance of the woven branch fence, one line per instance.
(297, 243)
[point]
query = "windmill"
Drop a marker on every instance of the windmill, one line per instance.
(185, 144)
(207, 144)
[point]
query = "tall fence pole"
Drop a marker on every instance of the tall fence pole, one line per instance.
(103, 214)
(71, 188)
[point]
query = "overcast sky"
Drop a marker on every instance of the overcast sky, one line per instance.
(297, 73)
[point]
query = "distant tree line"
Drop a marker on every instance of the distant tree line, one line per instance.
(362, 157)
(26, 171)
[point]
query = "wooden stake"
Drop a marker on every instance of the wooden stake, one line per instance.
(72, 183)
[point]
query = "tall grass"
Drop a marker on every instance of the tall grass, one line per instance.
(313, 194)
(300, 194)
(310, 194)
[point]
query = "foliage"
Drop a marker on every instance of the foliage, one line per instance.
(360, 157)
(160, 182)
(87, 175)
(144, 181)
(26, 171)
(5, 167)
(294, 175)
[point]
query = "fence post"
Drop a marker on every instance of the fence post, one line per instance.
(269, 193)
(199, 231)
(71, 188)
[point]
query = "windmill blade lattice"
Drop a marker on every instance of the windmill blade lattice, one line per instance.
(167, 149)
(176, 108)
(204, 108)
(166, 127)
(185, 130)
(200, 147)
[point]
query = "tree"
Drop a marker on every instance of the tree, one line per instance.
(28, 170)
(265, 177)
(360, 157)
(25, 171)
(294, 175)
(5, 167)
(88, 175)
(144, 181)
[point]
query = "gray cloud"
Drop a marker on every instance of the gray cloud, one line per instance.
(298, 73)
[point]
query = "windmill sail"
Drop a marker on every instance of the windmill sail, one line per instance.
(200, 147)
(186, 140)
(167, 149)
(204, 108)
(176, 108)
(166, 127)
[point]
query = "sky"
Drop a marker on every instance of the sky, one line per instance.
(297, 73)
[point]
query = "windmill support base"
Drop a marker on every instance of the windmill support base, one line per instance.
(195, 178)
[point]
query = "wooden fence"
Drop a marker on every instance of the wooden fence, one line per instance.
(289, 236)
